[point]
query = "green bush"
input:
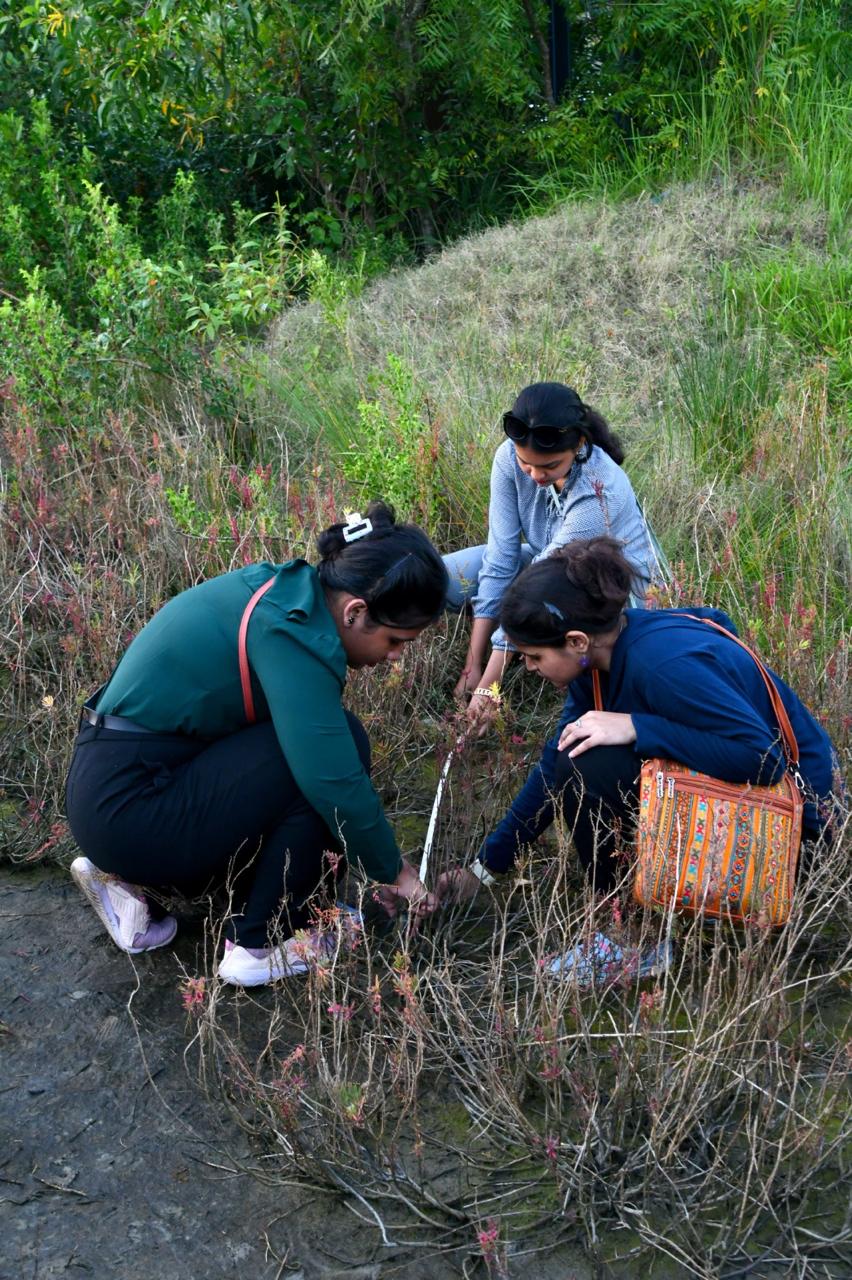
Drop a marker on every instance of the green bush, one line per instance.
(420, 121)
(394, 449)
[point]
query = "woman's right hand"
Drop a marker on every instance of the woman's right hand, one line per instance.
(481, 712)
(407, 888)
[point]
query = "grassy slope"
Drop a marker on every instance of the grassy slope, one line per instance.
(735, 427)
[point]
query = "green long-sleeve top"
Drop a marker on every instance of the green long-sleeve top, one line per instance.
(181, 674)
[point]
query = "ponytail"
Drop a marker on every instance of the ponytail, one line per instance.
(597, 431)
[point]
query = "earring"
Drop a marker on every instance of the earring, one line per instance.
(584, 661)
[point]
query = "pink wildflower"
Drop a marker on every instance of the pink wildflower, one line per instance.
(192, 993)
(488, 1237)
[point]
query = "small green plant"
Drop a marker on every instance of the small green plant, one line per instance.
(395, 447)
(253, 277)
(187, 515)
(333, 285)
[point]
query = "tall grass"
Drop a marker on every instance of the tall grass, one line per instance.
(469, 1105)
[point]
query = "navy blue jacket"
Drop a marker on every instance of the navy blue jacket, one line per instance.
(695, 697)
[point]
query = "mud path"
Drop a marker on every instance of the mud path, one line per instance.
(113, 1163)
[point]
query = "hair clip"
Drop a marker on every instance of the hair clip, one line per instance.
(551, 608)
(356, 527)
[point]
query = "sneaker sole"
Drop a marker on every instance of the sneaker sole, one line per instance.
(83, 873)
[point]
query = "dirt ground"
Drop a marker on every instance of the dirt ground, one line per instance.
(113, 1163)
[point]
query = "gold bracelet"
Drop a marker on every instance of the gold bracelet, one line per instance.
(491, 693)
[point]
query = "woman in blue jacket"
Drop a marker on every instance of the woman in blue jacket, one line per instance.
(672, 687)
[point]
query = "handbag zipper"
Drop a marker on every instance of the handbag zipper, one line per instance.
(668, 782)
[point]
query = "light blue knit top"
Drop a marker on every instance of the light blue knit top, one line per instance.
(596, 498)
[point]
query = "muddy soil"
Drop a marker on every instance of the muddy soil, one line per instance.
(113, 1162)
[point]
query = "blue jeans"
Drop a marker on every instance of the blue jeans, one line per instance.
(464, 568)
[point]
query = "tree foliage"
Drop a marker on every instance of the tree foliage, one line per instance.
(414, 117)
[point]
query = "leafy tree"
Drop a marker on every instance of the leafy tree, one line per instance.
(409, 117)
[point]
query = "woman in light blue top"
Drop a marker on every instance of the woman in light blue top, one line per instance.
(556, 478)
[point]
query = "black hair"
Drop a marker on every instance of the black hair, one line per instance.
(553, 404)
(582, 587)
(394, 568)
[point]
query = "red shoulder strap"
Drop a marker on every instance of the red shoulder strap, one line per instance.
(245, 678)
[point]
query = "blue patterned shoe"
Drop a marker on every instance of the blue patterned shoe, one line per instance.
(602, 961)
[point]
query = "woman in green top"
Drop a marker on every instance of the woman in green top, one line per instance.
(172, 785)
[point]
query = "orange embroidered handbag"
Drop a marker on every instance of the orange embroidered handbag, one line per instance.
(719, 849)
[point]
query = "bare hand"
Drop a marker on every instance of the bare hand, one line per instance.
(481, 713)
(457, 885)
(597, 729)
(407, 888)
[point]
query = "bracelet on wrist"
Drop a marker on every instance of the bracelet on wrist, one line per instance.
(482, 873)
(487, 692)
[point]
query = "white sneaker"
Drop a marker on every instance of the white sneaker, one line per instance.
(122, 909)
(255, 966)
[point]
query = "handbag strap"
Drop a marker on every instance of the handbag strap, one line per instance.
(791, 746)
(245, 678)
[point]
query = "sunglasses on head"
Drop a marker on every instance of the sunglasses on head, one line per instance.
(541, 436)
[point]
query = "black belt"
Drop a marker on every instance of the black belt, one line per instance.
(112, 722)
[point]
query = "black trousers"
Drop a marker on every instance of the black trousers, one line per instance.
(599, 795)
(166, 811)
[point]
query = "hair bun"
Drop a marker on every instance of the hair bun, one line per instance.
(331, 541)
(381, 515)
(599, 567)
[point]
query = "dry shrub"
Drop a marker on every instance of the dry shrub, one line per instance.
(98, 531)
(468, 1103)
